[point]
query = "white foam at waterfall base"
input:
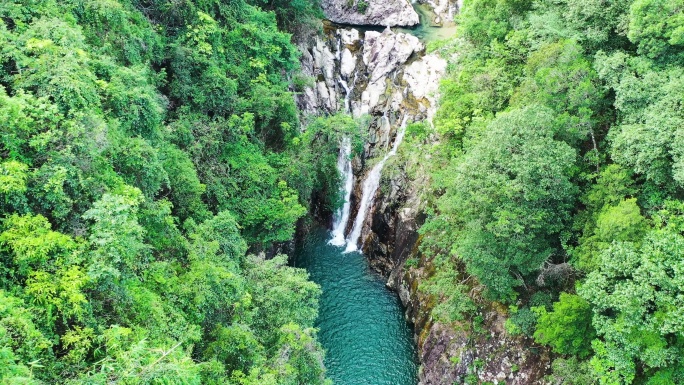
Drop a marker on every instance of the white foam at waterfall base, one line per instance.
(341, 216)
(370, 186)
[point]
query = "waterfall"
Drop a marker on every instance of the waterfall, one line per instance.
(370, 186)
(347, 94)
(341, 216)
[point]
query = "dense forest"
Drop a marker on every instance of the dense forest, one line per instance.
(557, 182)
(153, 163)
(151, 156)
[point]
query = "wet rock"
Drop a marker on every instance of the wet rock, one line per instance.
(386, 74)
(378, 12)
(347, 63)
(422, 78)
(348, 37)
(383, 53)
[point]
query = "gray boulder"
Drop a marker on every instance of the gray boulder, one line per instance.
(388, 13)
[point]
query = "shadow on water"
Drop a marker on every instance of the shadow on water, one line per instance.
(361, 322)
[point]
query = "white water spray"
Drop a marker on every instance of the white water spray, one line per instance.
(370, 186)
(341, 216)
(347, 92)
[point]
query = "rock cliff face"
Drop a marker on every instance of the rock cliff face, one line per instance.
(386, 13)
(388, 77)
(366, 72)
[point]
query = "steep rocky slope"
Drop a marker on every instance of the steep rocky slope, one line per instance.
(387, 76)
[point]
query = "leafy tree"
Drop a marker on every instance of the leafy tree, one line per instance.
(185, 188)
(134, 101)
(53, 62)
(138, 162)
(32, 245)
(622, 222)
(599, 85)
(656, 26)
(507, 197)
(568, 327)
(116, 236)
(635, 298)
(281, 295)
(571, 371)
(292, 14)
(561, 78)
(139, 142)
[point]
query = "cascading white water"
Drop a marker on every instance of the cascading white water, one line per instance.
(341, 217)
(347, 94)
(370, 186)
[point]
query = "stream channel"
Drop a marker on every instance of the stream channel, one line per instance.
(361, 323)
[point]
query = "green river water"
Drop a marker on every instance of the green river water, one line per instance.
(361, 323)
(427, 30)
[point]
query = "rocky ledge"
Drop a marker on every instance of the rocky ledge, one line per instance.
(387, 76)
(388, 13)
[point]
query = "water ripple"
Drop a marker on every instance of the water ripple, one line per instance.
(362, 326)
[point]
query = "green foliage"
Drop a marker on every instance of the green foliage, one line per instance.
(319, 146)
(622, 222)
(281, 295)
(571, 371)
(635, 296)
(451, 303)
(116, 236)
(646, 138)
(361, 6)
(561, 78)
(32, 243)
(145, 147)
(134, 101)
(185, 188)
(507, 197)
(578, 99)
(486, 21)
(118, 31)
(568, 327)
(52, 62)
(13, 178)
(292, 14)
(139, 162)
(657, 28)
(521, 321)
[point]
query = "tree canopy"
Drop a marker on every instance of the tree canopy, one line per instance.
(556, 173)
(146, 157)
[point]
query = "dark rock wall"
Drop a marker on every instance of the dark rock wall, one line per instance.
(449, 354)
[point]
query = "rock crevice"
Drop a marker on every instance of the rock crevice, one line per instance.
(387, 76)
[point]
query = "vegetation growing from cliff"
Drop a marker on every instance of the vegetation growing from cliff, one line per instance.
(559, 171)
(147, 150)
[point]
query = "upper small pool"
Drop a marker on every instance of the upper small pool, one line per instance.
(427, 30)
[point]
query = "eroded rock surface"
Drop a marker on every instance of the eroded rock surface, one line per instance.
(369, 73)
(388, 13)
(387, 76)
